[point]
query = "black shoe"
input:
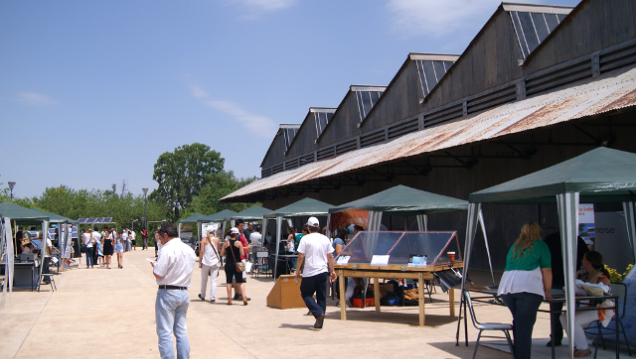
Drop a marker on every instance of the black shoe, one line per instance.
(201, 297)
(556, 344)
(319, 319)
(237, 296)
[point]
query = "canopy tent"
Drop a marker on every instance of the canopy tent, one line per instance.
(306, 207)
(218, 217)
(254, 213)
(190, 220)
(56, 218)
(398, 200)
(404, 200)
(20, 215)
(600, 175)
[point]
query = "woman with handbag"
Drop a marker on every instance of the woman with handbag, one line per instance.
(209, 262)
(234, 268)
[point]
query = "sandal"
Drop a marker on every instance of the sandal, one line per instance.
(582, 353)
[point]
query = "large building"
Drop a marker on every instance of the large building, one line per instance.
(536, 86)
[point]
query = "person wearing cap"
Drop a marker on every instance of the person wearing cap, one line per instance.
(316, 252)
(232, 250)
(173, 271)
(209, 262)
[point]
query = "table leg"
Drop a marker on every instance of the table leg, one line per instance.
(343, 296)
(451, 301)
(420, 298)
(376, 294)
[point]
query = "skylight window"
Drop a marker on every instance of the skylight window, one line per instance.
(533, 27)
(431, 72)
(289, 133)
(322, 120)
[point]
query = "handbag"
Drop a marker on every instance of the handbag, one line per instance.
(240, 266)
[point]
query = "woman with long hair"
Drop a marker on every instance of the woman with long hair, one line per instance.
(108, 248)
(338, 244)
(525, 284)
(119, 250)
(232, 250)
(209, 262)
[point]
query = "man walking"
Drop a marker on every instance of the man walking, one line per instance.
(316, 252)
(173, 270)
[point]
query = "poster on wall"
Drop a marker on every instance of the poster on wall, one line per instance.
(587, 229)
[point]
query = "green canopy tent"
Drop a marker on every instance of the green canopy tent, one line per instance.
(217, 217)
(254, 213)
(600, 175)
(190, 220)
(60, 220)
(306, 207)
(23, 216)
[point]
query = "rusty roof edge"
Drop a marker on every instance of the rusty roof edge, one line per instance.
(609, 92)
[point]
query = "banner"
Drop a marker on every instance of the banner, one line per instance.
(587, 228)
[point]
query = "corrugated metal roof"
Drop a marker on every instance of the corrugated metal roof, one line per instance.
(611, 91)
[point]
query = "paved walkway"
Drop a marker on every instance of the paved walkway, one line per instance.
(101, 313)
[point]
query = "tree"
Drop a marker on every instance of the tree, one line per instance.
(181, 175)
(218, 186)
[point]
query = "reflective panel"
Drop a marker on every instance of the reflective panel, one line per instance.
(540, 25)
(528, 30)
(403, 246)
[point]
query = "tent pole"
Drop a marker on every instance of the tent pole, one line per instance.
(45, 233)
(483, 230)
(471, 231)
(279, 221)
(568, 205)
(425, 219)
(628, 208)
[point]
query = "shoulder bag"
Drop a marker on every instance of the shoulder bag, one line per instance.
(240, 266)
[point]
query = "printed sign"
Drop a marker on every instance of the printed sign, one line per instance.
(587, 229)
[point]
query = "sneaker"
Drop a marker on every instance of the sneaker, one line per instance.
(212, 301)
(319, 320)
(201, 297)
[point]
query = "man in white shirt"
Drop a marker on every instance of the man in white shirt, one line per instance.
(87, 238)
(316, 252)
(124, 239)
(133, 239)
(96, 237)
(173, 271)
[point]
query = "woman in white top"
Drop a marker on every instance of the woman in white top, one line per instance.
(209, 262)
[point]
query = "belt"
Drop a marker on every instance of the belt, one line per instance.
(172, 287)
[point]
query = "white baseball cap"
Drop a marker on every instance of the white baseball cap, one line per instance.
(212, 228)
(234, 230)
(313, 222)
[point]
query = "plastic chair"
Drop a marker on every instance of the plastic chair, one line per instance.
(487, 326)
(620, 290)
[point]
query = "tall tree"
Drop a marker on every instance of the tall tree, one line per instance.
(181, 175)
(219, 186)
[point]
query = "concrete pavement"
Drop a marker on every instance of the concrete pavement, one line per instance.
(101, 313)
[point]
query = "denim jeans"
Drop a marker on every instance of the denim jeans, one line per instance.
(524, 307)
(171, 307)
(90, 251)
(316, 284)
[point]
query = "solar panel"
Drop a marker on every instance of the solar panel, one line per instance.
(107, 219)
(90, 220)
(82, 220)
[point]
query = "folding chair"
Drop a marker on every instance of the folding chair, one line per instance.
(620, 290)
(261, 261)
(487, 326)
(51, 281)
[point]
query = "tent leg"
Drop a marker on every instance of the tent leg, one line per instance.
(483, 230)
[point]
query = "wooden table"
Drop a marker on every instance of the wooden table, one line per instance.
(393, 272)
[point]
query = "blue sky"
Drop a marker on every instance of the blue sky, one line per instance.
(92, 92)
